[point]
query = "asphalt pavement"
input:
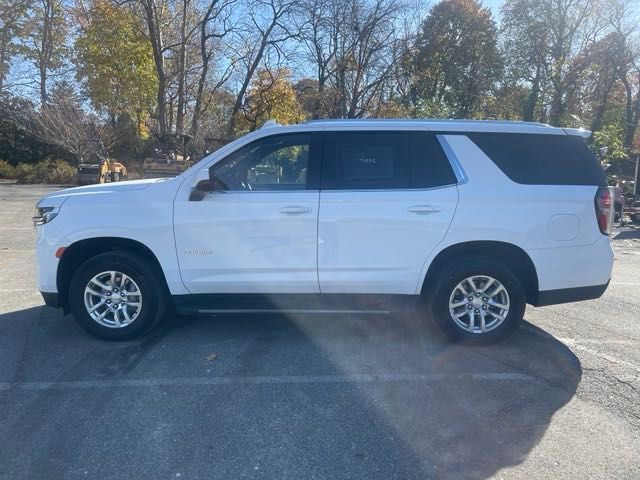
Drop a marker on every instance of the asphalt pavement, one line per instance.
(315, 396)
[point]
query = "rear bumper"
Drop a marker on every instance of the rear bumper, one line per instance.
(566, 295)
(573, 267)
(51, 299)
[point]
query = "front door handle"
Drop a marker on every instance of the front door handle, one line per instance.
(294, 210)
(423, 209)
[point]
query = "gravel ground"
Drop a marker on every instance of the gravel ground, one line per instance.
(304, 397)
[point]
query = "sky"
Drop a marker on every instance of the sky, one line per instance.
(27, 89)
(494, 5)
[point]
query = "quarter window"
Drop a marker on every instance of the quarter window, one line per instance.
(540, 159)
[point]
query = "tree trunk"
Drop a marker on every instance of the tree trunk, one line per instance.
(197, 108)
(557, 108)
(182, 52)
(632, 112)
(43, 85)
(529, 109)
(155, 36)
(253, 66)
(204, 56)
(162, 107)
(45, 50)
(598, 118)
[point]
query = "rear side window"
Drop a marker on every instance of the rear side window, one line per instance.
(536, 159)
(384, 160)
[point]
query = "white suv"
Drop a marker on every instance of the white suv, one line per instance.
(470, 220)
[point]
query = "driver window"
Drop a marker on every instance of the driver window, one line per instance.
(274, 163)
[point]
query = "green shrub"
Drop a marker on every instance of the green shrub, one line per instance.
(7, 170)
(47, 171)
(59, 171)
(24, 173)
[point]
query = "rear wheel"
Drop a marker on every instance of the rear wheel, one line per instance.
(477, 299)
(116, 296)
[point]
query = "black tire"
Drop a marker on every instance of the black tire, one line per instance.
(115, 176)
(447, 278)
(154, 295)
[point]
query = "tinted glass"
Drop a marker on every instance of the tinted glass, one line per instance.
(542, 159)
(384, 160)
(274, 163)
(429, 165)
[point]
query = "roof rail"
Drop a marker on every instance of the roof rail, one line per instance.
(428, 120)
(270, 124)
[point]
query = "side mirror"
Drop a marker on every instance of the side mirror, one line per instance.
(200, 190)
(207, 185)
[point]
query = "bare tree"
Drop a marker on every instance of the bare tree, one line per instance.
(154, 15)
(354, 47)
(547, 39)
(623, 20)
(267, 29)
(44, 40)
(630, 79)
(13, 14)
(215, 25)
(63, 122)
(321, 23)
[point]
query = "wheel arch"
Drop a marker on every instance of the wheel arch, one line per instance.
(511, 255)
(78, 252)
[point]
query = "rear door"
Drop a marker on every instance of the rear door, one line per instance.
(386, 201)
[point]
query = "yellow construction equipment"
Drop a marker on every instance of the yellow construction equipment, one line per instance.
(169, 159)
(103, 172)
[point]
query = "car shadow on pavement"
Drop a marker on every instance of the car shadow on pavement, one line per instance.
(273, 396)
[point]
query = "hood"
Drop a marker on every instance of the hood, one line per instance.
(99, 189)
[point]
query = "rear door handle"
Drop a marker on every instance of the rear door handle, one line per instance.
(294, 210)
(423, 209)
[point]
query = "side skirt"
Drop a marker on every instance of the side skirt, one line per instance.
(209, 304)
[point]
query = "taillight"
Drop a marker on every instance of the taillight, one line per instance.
(604, 209)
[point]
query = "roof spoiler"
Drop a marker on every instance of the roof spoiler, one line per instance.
(578, 132)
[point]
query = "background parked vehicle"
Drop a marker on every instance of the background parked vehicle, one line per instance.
(103, 172)
(633, 210)
(170, 159)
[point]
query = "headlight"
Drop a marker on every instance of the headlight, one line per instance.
(44, 215)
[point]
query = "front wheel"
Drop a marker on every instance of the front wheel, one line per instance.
(116, 296)
(476, 299)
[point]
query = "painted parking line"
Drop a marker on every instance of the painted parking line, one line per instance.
(577, 345)
(18, 290)
(268, 380)
(598, 341)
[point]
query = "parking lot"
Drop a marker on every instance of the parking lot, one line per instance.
(313, 396)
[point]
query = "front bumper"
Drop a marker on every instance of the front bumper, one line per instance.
(51, 299)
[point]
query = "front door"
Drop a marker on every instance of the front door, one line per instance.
(257, 233)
